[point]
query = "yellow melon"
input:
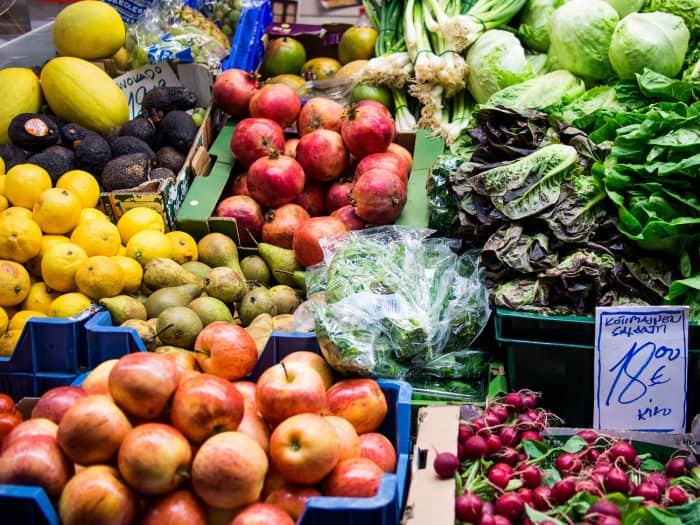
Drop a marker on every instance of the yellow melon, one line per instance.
(89, 30)
(19, 93)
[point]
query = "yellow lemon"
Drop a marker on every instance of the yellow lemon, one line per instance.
(183, 245)
(39, 298)
(97, 238)
(24, 183)
(122, 251)
(59, 264)
(3, 177)
(147, 245)
(69, 304)
(2, 166)
(34, 264)
(83, 185)
(20, 319)
(57, 211)
(92, 214)
(14, 283)
(20, 238)
(139, 219)
(17, 211)
(4, 203)
(100, 277)
(133, 273)
(8, 340)
(4, 320)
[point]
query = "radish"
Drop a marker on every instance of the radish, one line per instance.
(464, 433)
(532, 435)
(461, 454)
(493, 443)
(647, 490)
(616, 481)
(676, 467)
(508, 455)
(498, 477)
(487, 508)
(531, 476)
(563, 491)
(589, 486)
(542, 498)
(588, 435)
(676, 496)
(592, 455)
(468, 507)
(510, 505)
(514, 402)
(529, 401)
(446, 465)
(509, 436)
(475, 447)
(487, 519)
(603, 507)
(567, 463)
(624, 450)
(500, 520)
(525, 495)
(491, 420)
(500, 411)
(658, 479)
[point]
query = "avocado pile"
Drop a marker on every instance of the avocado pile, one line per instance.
(148, 148)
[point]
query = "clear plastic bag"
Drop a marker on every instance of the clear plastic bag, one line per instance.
(170, 31)
(388, 300)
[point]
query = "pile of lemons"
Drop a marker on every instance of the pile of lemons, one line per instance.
(58, 253)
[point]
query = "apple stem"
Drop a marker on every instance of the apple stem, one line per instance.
(286, 375)
(183, 473)
(203, 352)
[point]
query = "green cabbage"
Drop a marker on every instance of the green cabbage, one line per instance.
(658, 41)
(495, 61)
(541, 92)
(539, 63)
(580, 36)
(625, 7)
(688, 10)
(534, 23)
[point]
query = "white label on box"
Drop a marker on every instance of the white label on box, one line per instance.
(136, 83)
(640, 365)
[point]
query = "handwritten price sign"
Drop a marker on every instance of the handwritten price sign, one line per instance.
(641, 363)
(136, 83)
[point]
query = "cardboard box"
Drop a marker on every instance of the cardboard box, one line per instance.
(196, 214)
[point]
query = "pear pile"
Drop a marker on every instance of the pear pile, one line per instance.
(259, 292)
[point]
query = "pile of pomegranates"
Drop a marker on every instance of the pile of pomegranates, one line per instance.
(508, 472)
(340, 171)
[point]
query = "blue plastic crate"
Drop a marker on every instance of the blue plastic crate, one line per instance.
(26, 505)
(50, 352)
(247, 47)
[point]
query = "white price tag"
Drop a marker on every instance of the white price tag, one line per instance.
(641, 366)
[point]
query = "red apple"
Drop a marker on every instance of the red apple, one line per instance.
(292, 499)
(262, 514)
(226, 350)
(204, 406)
(97, 381)
(8, 421)
(179, 508)
(229, 470)
(92, 430)
(30, 427)
(7, 405)
(247, 390)
(304, 448)
(360, 401)
(154, 458)
(254, 426)
(314, 361)
(354, 478)
(56, 402)
(288, 389)
(349, 440)
(36, 460)
(183, 360)
(379, 449)
(142, 384)
(96, 495)
(187, 375)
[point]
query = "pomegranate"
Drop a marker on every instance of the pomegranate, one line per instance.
(378, 196)
(312, 198)
(349, 218)
(322, 154)
(290, 147)
(373, 104)
(247, 214)
(277, 102)
(385, 161)
(233, 90)
(280, 224)
(239, 185)
(338, 195)
(402, 152)
(367, 130)
(275, 180)
(306, 246)
(319, 113)
(254, 138)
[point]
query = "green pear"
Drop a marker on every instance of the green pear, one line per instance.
(172, 296)
(164, 273)
(224, 284)
(210, 309)
(256, 302)
(285, 298)
(255, 269)
(123, 307)
(281, 261)
(197, 268)
(179, 326)
(217, 249)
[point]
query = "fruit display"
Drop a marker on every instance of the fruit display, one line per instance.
(508, 469)
(343, 172)
(158, 442)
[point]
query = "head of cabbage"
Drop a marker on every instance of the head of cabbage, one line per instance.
(625, 7)
(657, 41)
(534, 23)
(495, 61)
(541, 93)
(580, 35)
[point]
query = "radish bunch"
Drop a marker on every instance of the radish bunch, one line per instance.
(506, 472)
